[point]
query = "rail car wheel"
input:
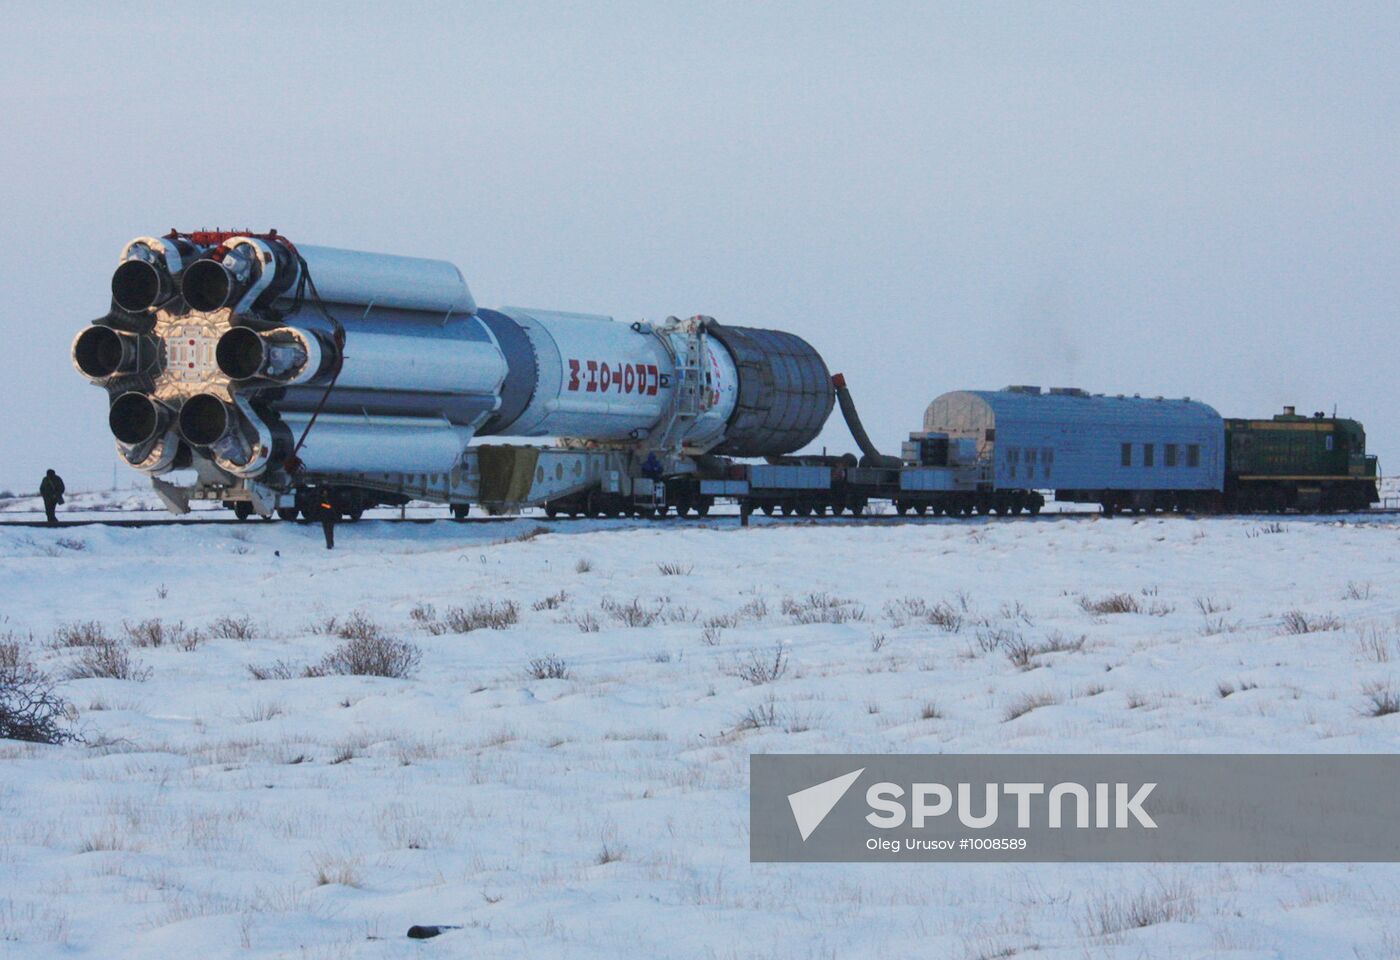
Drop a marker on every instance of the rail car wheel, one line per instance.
(287, 513)
(838, 508)
(901, 508)
(768, 509)
(702, 506)
(460, 511)
(242, 509)
(356, 514)
(551, 511)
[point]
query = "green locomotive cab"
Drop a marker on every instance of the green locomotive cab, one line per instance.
(1292, 462)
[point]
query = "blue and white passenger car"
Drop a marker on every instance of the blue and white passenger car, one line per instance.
(1122, 452)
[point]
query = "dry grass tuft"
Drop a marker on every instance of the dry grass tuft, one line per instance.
(233, 628)
(1025, 703)
(1114, 913)
(759, 670)
(29, 708)
(1382, 700)
(552, 602)
(489, 615)
(87, 633)
(548, 667)
(369, 654)
(155, 632)
(1297, 622)
(632, 613)
(822, 608)
(587, 622)
(109, 661)
(1113, 603)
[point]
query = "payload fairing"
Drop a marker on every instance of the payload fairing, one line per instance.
(270, 367)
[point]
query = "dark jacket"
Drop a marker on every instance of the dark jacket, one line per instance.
(51, 488)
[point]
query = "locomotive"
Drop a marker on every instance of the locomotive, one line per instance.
(282, 374)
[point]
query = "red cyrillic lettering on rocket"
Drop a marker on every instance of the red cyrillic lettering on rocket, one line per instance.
(601, 376)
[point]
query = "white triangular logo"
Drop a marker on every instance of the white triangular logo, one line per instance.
(810, 806)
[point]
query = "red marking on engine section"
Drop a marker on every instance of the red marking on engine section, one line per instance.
(600, 376)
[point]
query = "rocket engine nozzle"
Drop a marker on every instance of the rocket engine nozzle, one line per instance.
(139, 285)
(100, 352)
(136, 418)
(283, 355)
(205, 420)
(208, 285)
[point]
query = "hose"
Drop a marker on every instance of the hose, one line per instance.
(873, 457)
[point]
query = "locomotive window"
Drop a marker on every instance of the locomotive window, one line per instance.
(1148, 451)
(1169, 454)
(991, 434)
(1193, 454)
(1127, 454)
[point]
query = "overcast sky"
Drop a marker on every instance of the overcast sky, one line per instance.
(1178, 199)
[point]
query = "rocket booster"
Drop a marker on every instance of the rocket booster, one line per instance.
(236, 350)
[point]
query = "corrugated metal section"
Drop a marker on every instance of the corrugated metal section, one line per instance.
(1067, 441)
(766, 476)
(785, 392)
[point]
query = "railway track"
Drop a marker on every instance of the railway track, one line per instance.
(546, 521)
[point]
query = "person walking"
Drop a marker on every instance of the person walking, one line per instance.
(51, 490)
(328, 516)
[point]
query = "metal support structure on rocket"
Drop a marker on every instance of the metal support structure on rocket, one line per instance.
(267, 366)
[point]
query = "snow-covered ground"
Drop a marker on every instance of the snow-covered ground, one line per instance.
(604, 814)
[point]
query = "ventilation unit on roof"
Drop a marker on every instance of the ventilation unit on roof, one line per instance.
(1023, 388)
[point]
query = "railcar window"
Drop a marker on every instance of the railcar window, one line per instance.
(1148, 454)
(1047, 457)
(1193, 454)
(1329, 442)
(1169, 454)
(1127, 454)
